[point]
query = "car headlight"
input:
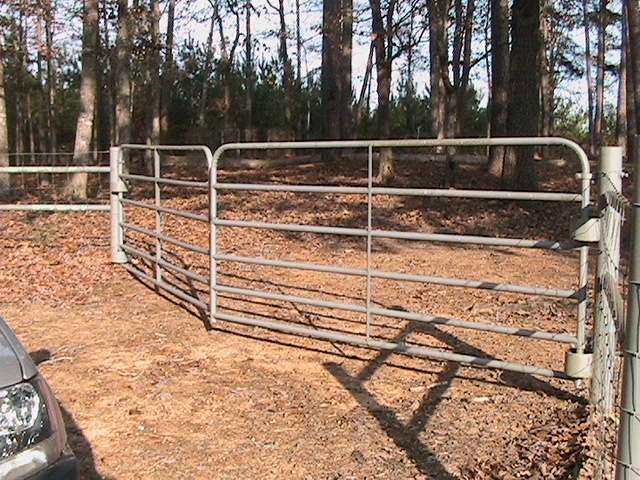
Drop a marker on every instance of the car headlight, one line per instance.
(31, 429)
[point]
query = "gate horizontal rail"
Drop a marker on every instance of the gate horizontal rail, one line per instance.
(55, 207)
(367, 308)
(433, 237)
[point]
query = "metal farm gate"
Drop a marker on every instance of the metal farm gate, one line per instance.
(124, 208)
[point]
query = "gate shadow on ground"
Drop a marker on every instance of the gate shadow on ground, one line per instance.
(76, 438)
(407, 436)
(517, 380)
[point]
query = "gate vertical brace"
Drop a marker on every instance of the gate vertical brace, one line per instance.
(628, 458)
(117, 188)
(213, 234)
(605, 343)
(158, 203)
(369, 238)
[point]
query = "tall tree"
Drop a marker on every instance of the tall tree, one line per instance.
(52, 82)
(622, 125)
(208, 65)
(330, 81)
(598, 123)
(438, 51)
(346, 91)
(524, 86)
(153, 128)
(77, 185)
(285, 62)
(227, 50)
(123, 72)
(248, 73)
(632, 126)
(588, 74)
(499, 80)
(5, 184)
(168, 72)
(633, 19)
(382, 37)
(546, 73)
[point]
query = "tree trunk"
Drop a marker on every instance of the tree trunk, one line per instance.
(5, 184)
(204, 89)
(524, 105)
(168, 73)
(249, 76)
(346, 100)
(383, 55)
(546, 75)
(154, 74)
(123, 83)
(81, 151)
(287, 74)
(621, 114)
(329, 75)
(366, 82)
(588, 74)
(438, 36)
(499, 81)
(49, 21)
(633, 18)
(598, 130)
(632, 127)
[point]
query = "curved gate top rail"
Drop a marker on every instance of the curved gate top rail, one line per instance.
(579, 295)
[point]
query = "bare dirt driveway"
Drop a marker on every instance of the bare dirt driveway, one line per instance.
(149, 393)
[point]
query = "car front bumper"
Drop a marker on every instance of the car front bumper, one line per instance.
(65, 468)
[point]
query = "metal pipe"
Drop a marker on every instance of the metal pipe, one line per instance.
(116, 187)
(416, 317)
(605, 343)
(169, 288)
(187, 273)
(404, 348)
(369, 238)
(448, 142)
(51, 169)
(359, 272)
(166, 238)
(55, 208)
(628, 455)
(434, 237)
(417, 192)
(173, 148)
(165, 181)
(158, 204)
(172, 211)
(480, 194)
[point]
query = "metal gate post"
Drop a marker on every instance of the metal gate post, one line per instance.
(608, 267)
(158, 204)
(628, 467)
(117, 188)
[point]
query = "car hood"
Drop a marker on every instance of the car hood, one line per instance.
(15, 363)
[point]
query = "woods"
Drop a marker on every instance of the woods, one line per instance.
(80, 76)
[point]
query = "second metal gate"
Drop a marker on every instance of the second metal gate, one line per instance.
(577, 363)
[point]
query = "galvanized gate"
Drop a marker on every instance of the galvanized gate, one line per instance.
(577, 362)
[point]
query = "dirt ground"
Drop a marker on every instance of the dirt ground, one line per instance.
(148, 391)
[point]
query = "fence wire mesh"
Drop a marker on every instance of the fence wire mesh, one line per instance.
(609, 321)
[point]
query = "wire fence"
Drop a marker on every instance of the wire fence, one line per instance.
(628, 454)
(608, 314)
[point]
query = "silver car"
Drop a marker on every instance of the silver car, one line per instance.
(33, 441)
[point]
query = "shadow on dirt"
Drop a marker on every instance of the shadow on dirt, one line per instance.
(407, 435)
(75, 436)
